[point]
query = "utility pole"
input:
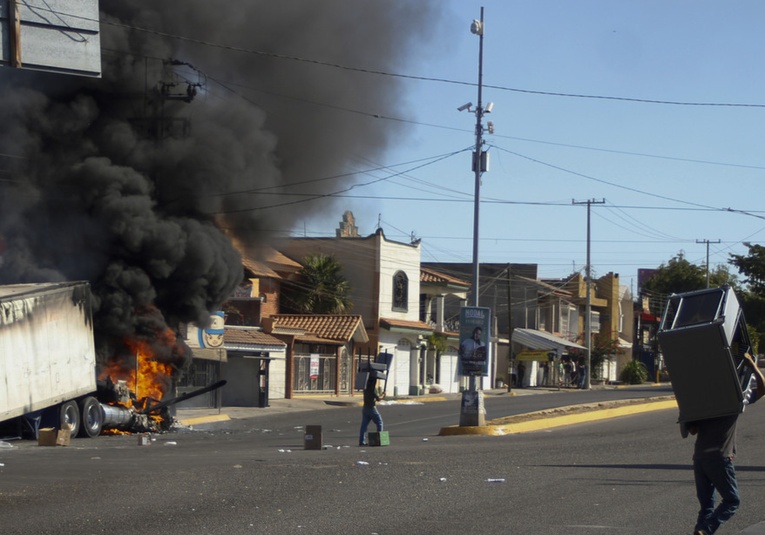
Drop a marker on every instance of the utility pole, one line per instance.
(588, 282)
(707, 242)
(509, 329)
(480, 165)
(477, 28)
(472, 401)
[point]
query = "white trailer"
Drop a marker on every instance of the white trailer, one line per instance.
(47, 354)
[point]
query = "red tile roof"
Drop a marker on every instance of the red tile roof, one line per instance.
(259, 269)
(430, 275)
(269, 263)
(250, 336)
(337, 327)
(393, 323)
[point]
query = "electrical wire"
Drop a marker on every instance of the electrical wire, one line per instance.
(399, 75)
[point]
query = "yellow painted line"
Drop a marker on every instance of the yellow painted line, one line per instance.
(557, 421)
(205, 419)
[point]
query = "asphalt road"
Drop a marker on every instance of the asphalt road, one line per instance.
(629, 475)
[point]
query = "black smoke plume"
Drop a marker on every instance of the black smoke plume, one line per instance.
(148, 181)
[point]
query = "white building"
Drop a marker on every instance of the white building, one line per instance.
(384, 278)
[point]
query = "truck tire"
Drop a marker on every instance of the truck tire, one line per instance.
(69, 413)
(92, 417)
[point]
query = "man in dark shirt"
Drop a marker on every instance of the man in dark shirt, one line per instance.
(370, 413)
(713, 462)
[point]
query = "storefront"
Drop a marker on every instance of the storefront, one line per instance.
(541, 357)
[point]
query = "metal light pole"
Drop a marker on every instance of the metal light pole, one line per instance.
(477, 28)
(472, 413)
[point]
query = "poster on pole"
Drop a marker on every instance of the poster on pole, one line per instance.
(474, 349)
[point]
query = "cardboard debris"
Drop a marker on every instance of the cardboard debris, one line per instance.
(50, 436)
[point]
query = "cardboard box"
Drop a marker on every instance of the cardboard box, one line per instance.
(312, 438)
(379, 439)
(64, 436)
(49, 436)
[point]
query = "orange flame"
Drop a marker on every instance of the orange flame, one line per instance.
(147, 378)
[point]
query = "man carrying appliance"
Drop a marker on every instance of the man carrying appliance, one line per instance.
(713, 468)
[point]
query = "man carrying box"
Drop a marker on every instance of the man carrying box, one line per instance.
(713, 462)
(370, 413)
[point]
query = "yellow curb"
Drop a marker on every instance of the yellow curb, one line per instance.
(205, 419)
(416, 399)
(557, 421)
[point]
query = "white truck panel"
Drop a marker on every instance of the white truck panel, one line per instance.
(47, 353)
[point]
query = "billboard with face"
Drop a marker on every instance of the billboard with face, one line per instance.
(474, 349)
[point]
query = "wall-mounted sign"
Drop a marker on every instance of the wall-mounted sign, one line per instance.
(209, 337)
(314, 371)
(51, 35)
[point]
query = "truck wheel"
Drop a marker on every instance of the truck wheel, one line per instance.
(70, 414)
(92, 417)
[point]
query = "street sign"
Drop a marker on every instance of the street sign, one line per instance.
(51, 35)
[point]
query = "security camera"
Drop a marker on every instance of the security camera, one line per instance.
(489, 107)
(476, 27)
(465, 107)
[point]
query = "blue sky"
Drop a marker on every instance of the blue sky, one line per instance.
(669, 173)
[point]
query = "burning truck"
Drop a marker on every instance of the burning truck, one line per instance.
(51, 373)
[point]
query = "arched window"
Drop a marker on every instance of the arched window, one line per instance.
(400, 292)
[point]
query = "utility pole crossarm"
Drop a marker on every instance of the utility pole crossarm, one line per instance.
(707, 242)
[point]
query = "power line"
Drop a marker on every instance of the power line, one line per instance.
(313, 197)
(426, 78)
(401, 75)
(589, 177)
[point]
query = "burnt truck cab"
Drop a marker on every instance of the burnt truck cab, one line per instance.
(703, 338)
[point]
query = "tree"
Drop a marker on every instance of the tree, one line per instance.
(679, 276)
(602, 347)
(437, 342)
(323, 289)
(752, 267)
